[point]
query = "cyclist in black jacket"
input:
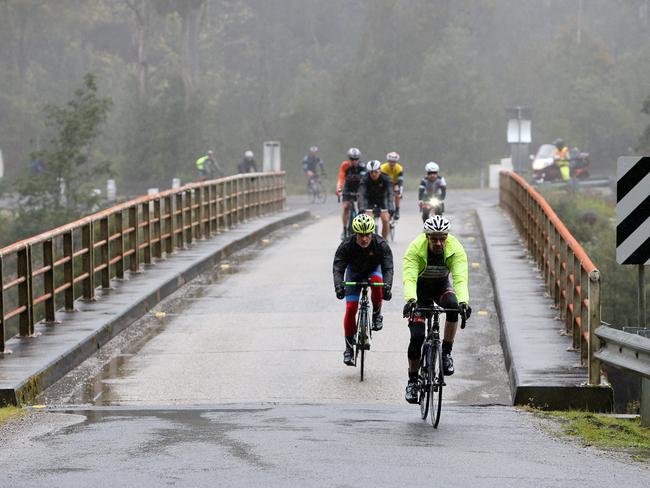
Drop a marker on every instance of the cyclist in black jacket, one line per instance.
(376, 195)
(363, 256)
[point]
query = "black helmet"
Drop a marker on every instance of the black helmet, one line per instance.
(559, 143)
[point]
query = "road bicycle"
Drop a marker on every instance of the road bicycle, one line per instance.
(315, 191)
(392, 226)
(363, 336)
(431, 377)
(353, 211)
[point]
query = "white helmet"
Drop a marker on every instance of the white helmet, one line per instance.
(431, 167)
(392, 156)
(373, 165)
(248, 154)
(436, 225)
(354, 153)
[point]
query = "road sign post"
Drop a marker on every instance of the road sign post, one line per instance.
(518, 134)
(633, 218)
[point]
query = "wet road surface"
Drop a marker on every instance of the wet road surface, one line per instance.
(241, 383)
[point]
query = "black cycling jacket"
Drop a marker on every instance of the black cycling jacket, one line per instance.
(377, 192)
(363, 262)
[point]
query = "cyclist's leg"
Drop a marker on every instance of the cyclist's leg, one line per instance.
(447, 299)
(376, 296)
(349, 320)
(385, 218)
(425, 214)
(345, 212)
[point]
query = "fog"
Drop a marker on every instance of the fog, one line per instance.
(430, 79)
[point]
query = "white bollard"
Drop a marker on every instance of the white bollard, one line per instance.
(176, 183)
(111, 190)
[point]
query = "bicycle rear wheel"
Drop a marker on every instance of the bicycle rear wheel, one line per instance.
(437, 382)
(392, 230)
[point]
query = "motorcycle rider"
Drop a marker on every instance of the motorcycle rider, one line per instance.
(396, 173)
(562, 159)
(350, 172)
(432, 186)
(376, 194)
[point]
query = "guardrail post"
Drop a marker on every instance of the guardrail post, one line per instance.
(118, 220)
(645, 402)
(24, 270)
(2, 308)
(105, 253)
(68, 271)
(146, 231)
(157, 228)
(189, 223)
(48, 280)
(180, 240)
(88, 260)
(169, 226)
(134, 241)
(594, 321)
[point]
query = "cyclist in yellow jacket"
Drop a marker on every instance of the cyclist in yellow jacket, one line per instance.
(427, 263)
(396, 173)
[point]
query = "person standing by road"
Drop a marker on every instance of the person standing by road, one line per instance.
(363, 256)
(247, 164)
(428, 261)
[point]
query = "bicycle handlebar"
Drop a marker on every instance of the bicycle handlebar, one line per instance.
(363, 283)
(439, 310)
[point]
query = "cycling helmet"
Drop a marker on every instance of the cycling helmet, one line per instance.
(363, 224)
(248, 154)
(313, 149)
(392, 156)
(354, 153)
(436, 225)
(373, 165)
(431, 167)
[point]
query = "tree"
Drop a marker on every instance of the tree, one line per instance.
(59, 188)
(644, 141)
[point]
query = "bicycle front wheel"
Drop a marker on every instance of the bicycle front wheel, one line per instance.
(423, 390)
(435, 391)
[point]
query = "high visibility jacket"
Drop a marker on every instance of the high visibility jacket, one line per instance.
(561, 156)
(415, 263)
(200, 163)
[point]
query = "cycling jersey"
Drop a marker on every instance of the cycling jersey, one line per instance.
(350, 176)
(421, 268)
(429, 188)
(363, 261)
(310, 163)
(396, 173)
(376, 193)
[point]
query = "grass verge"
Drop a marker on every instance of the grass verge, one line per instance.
(7, 413)
(606, 432)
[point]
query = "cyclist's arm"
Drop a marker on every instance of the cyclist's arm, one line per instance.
(322, 166)
(422, 190)
(442, 188)
(390, 195)
(305, 165)
(342, 170)
(459, 270)
(387, 263)
(339, 265)
(410, 272)
(363, 196)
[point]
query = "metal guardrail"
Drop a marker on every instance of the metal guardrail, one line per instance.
(572, 279)
(46, 272)
(631, 352)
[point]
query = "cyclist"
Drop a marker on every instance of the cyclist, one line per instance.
(431, 186)
(247, 164)
(376, 194)
(396, 173)
(427, 263)
(311, 164)
(350, 173)
(362, 256)
(208, 167)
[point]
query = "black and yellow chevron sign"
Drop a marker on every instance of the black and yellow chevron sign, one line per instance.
(633, 210)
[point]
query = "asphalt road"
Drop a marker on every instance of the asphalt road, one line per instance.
(241, 383)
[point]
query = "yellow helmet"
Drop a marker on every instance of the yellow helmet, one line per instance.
(363, 224)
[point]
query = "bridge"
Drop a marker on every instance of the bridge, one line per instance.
(193, 338)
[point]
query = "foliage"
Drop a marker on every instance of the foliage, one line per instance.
(591, 220)
(8, 413)
(644, 141)
(605, 431)
(58, 188)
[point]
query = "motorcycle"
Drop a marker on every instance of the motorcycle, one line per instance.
(546, 169)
